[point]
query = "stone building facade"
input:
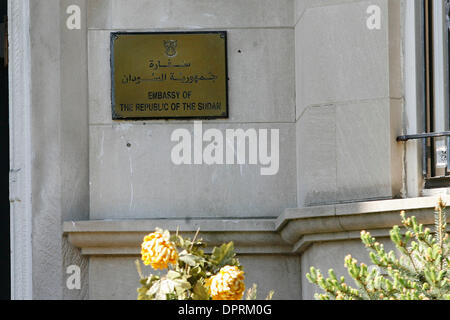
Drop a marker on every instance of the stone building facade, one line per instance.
(339, 79)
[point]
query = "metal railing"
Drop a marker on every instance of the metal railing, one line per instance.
(423, 136)
(433, 158)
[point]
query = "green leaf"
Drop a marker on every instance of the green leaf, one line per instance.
(167, 289)
(270, 295)
(223, 255)
(200, 292)
(189, 259)
(173, 275)
(252, 293)
(154, 289)
(181, 284)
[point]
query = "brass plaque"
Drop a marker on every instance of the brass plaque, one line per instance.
(170, 75)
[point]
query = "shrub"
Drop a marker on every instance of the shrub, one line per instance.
(420, 273)
(192, 274)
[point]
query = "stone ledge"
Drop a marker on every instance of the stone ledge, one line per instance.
(122, 237)
(304, 242)
(294, 224)
(291, 233)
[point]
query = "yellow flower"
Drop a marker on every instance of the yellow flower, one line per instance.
(158, 251)
(228, 284)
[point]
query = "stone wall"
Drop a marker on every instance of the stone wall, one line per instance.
(311, 69)
(348, 102)
(140, 180)
(131, 172)
(59, 139)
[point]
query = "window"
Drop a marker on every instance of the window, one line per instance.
(437, 109)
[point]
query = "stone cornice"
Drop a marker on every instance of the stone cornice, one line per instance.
(291, 233)
(295, 223)
(122, 237)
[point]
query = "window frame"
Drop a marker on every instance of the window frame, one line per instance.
(436, 104)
